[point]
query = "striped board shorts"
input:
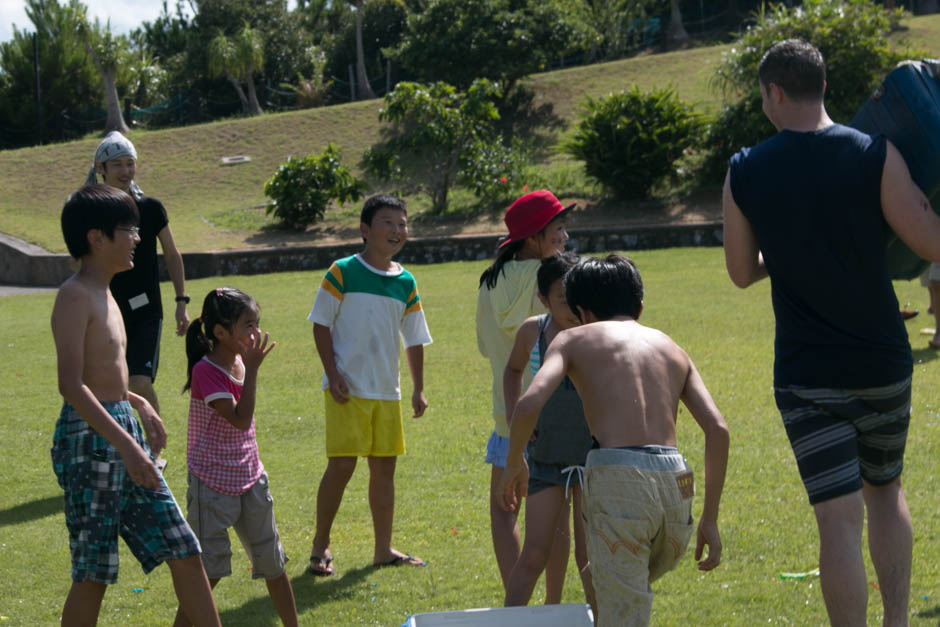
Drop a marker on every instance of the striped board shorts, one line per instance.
(841, 437)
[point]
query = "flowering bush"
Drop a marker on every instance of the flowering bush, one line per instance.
(494, 171)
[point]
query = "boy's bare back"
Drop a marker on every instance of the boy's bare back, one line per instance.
(89, 330)
(630, 379)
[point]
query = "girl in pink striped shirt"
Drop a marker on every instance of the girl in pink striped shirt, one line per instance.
(228, 486)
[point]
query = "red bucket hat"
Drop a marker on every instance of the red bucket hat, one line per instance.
(531, 213)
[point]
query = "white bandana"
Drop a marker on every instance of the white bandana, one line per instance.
(114, 145)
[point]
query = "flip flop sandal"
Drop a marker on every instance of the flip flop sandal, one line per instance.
(323, 568)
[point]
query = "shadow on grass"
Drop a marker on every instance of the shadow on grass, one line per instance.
(309, 592)
(933, 612)
(34, 510)
(274, 235)
(924, 355)
(521, 116)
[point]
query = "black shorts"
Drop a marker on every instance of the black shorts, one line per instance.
(841, 437)
(143, 347)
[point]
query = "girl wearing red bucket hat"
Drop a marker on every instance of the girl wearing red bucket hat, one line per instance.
(507, 296)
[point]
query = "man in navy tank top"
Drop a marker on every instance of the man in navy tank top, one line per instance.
(811, 208)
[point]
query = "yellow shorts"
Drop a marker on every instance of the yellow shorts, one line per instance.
(363, 427)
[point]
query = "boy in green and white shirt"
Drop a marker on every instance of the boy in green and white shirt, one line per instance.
(364, 305)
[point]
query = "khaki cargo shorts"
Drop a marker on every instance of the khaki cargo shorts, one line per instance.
(638, 521)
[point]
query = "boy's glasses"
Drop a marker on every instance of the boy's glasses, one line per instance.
(133, 230)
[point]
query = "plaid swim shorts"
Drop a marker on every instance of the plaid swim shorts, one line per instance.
(102, 502)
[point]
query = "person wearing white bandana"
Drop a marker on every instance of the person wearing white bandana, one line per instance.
(137, 291)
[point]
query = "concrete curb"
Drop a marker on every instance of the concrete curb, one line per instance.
(23, 264)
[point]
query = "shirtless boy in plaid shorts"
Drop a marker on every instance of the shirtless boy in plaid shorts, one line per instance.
(99, 453)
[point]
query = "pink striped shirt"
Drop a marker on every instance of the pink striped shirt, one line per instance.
(223, 457)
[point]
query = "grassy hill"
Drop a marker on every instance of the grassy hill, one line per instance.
(213, 206)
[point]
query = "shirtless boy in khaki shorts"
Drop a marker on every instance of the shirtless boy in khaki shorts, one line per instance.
(637, 487)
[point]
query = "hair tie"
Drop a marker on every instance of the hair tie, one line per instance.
(199, 319)
(218, 292)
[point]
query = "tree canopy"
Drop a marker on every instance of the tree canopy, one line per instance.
(502, 40)
(67, 80)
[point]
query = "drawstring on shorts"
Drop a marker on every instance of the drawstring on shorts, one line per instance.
(570, 470)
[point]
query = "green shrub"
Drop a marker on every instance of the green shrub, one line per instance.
(738, 125)
(629, 140)
(852, 36)
(303, 188)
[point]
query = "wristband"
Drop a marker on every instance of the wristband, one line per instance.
(183, 299)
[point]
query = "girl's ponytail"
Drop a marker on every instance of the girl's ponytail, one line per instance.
(197, 346)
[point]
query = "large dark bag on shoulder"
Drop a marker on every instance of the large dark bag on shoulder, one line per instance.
(906, 110)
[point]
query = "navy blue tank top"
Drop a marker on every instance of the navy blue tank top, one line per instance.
(813, 201)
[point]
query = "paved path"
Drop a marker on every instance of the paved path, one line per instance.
(13, 290)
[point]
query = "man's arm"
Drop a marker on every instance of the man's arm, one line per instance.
(906, 209)
(514, 477)
(699, 402)
(70, 318)
(742, 256)
(415, 356)
(324, 343)
(526, 337)
(174, 267)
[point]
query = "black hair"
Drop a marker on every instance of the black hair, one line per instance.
(606, 287)
(224, 306)
(507, 252)
(380, 201)
(795, 66)
(95, 207)
(554, 268)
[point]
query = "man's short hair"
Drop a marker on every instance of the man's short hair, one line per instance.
(606, 287)
(380, 201)
(554, 268)
(797, 67)
(95, 206)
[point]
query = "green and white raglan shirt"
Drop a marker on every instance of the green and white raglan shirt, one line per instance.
(367, 310)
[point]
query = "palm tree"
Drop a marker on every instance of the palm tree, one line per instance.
(105, 51)
(237, 59)
(676, 33)
(365, 89)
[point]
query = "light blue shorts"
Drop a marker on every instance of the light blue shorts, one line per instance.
(497, 449)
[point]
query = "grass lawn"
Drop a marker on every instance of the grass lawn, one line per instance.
(766, 524)
(214, 207)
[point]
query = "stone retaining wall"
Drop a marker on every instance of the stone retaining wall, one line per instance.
(25, 264)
